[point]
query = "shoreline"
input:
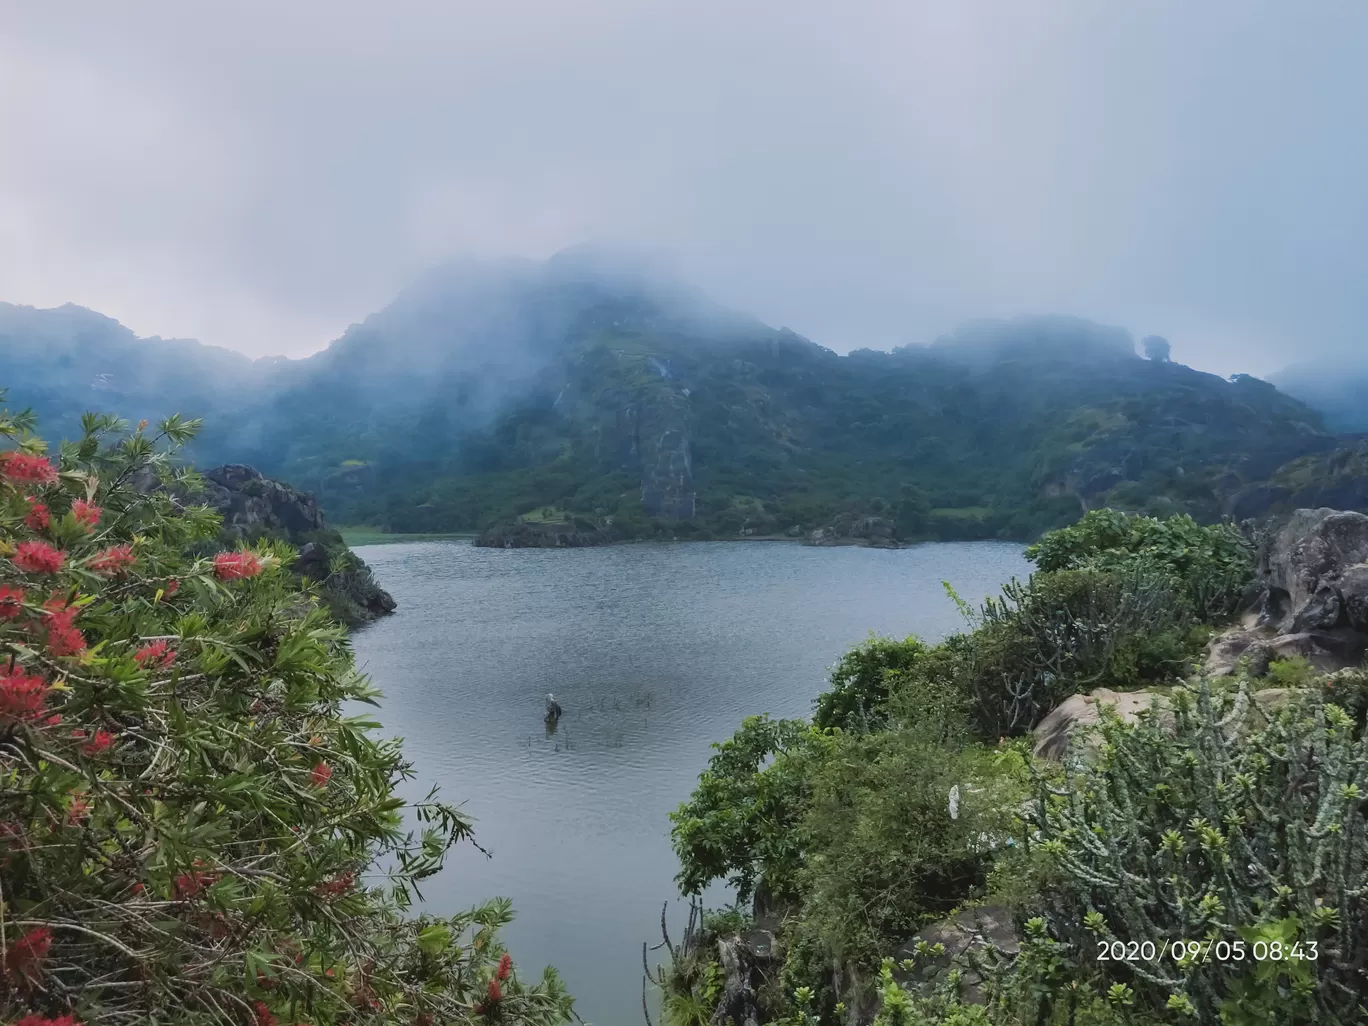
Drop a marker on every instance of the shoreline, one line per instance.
(364, 538)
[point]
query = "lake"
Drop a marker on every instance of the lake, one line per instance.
(655, 651)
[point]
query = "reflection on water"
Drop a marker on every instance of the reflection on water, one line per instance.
(653, 652)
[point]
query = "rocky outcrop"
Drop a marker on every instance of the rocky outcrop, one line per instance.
(1310, 598)
(652, 432)
(964, 935)
(253, 506)
(1054, 733)
(848, 529)
(1068, 728)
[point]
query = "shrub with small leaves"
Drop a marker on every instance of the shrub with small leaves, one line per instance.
(1235, 826)
(190, 831)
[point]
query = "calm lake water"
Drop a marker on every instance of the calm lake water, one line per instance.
(655, 652)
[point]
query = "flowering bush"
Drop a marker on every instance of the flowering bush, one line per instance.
(190, 832)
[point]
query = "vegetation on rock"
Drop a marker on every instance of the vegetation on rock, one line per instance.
(1215, 819)
(191, 831)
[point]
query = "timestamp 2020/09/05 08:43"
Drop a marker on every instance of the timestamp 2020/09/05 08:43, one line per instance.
(1207, 950)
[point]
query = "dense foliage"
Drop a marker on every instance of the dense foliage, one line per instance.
(1179, 834)
(1229, 815)
(190, 830)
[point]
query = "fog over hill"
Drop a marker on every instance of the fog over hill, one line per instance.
(597, 385)
(258, 176)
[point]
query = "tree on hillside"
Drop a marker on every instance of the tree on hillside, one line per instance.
(1157, 348)
(190, 831)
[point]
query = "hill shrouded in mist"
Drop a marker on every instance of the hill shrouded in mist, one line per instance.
(1333, 388)
(592, 385)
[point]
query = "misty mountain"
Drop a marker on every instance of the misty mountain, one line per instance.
(597, 386)
(69, 359)
(1336, 390)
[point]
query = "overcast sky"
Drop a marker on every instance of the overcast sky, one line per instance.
(259, 175)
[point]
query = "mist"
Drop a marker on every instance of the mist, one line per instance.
(261, 178)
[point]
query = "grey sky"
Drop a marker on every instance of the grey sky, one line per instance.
(261, 174)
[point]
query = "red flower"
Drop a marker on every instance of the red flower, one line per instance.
(62, 638)
(21, 698)
(505, 966)
(11, 601)
(102, 742)
(263, 1014)
(38, 1020)
(321, 774)
(20, 466)
(172, 586)
(112, 560)
(86, 514)
(53, 721)
(26, 955)
(229, 566)
(187, 885)
(79, 811)
(66, 642)
(38, 557)
(37, 518)
(156, 654)
(340, 884)
(495, 992)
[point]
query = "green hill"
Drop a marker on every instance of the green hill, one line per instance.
(595, 385)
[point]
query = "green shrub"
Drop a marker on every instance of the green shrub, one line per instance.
(1209, 566)
(897, 834)
(1066, 632)
(740, 823)
(862, 681)
(190, 831)
(1186, 835)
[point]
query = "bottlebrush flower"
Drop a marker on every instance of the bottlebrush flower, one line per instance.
(63, 639)
(21, 698)
(25, 956)
(321, 774)
(187, 885)
(112, 560)
(79, 810)
(11, 601)
(38, 1020)
(505, 966)
(21, 466)
(172, 586)
(86, 515)
(102, 742)
(229, 566)
(263, 1014)
(38, 557)
(157, 654)
(494, 992)
(38, 518)
(340, 884)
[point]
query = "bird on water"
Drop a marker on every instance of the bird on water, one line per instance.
(553, 709)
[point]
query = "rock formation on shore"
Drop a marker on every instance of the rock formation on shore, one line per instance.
(254, 506)
(1310, 598)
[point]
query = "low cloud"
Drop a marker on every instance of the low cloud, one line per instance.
(260, 176)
